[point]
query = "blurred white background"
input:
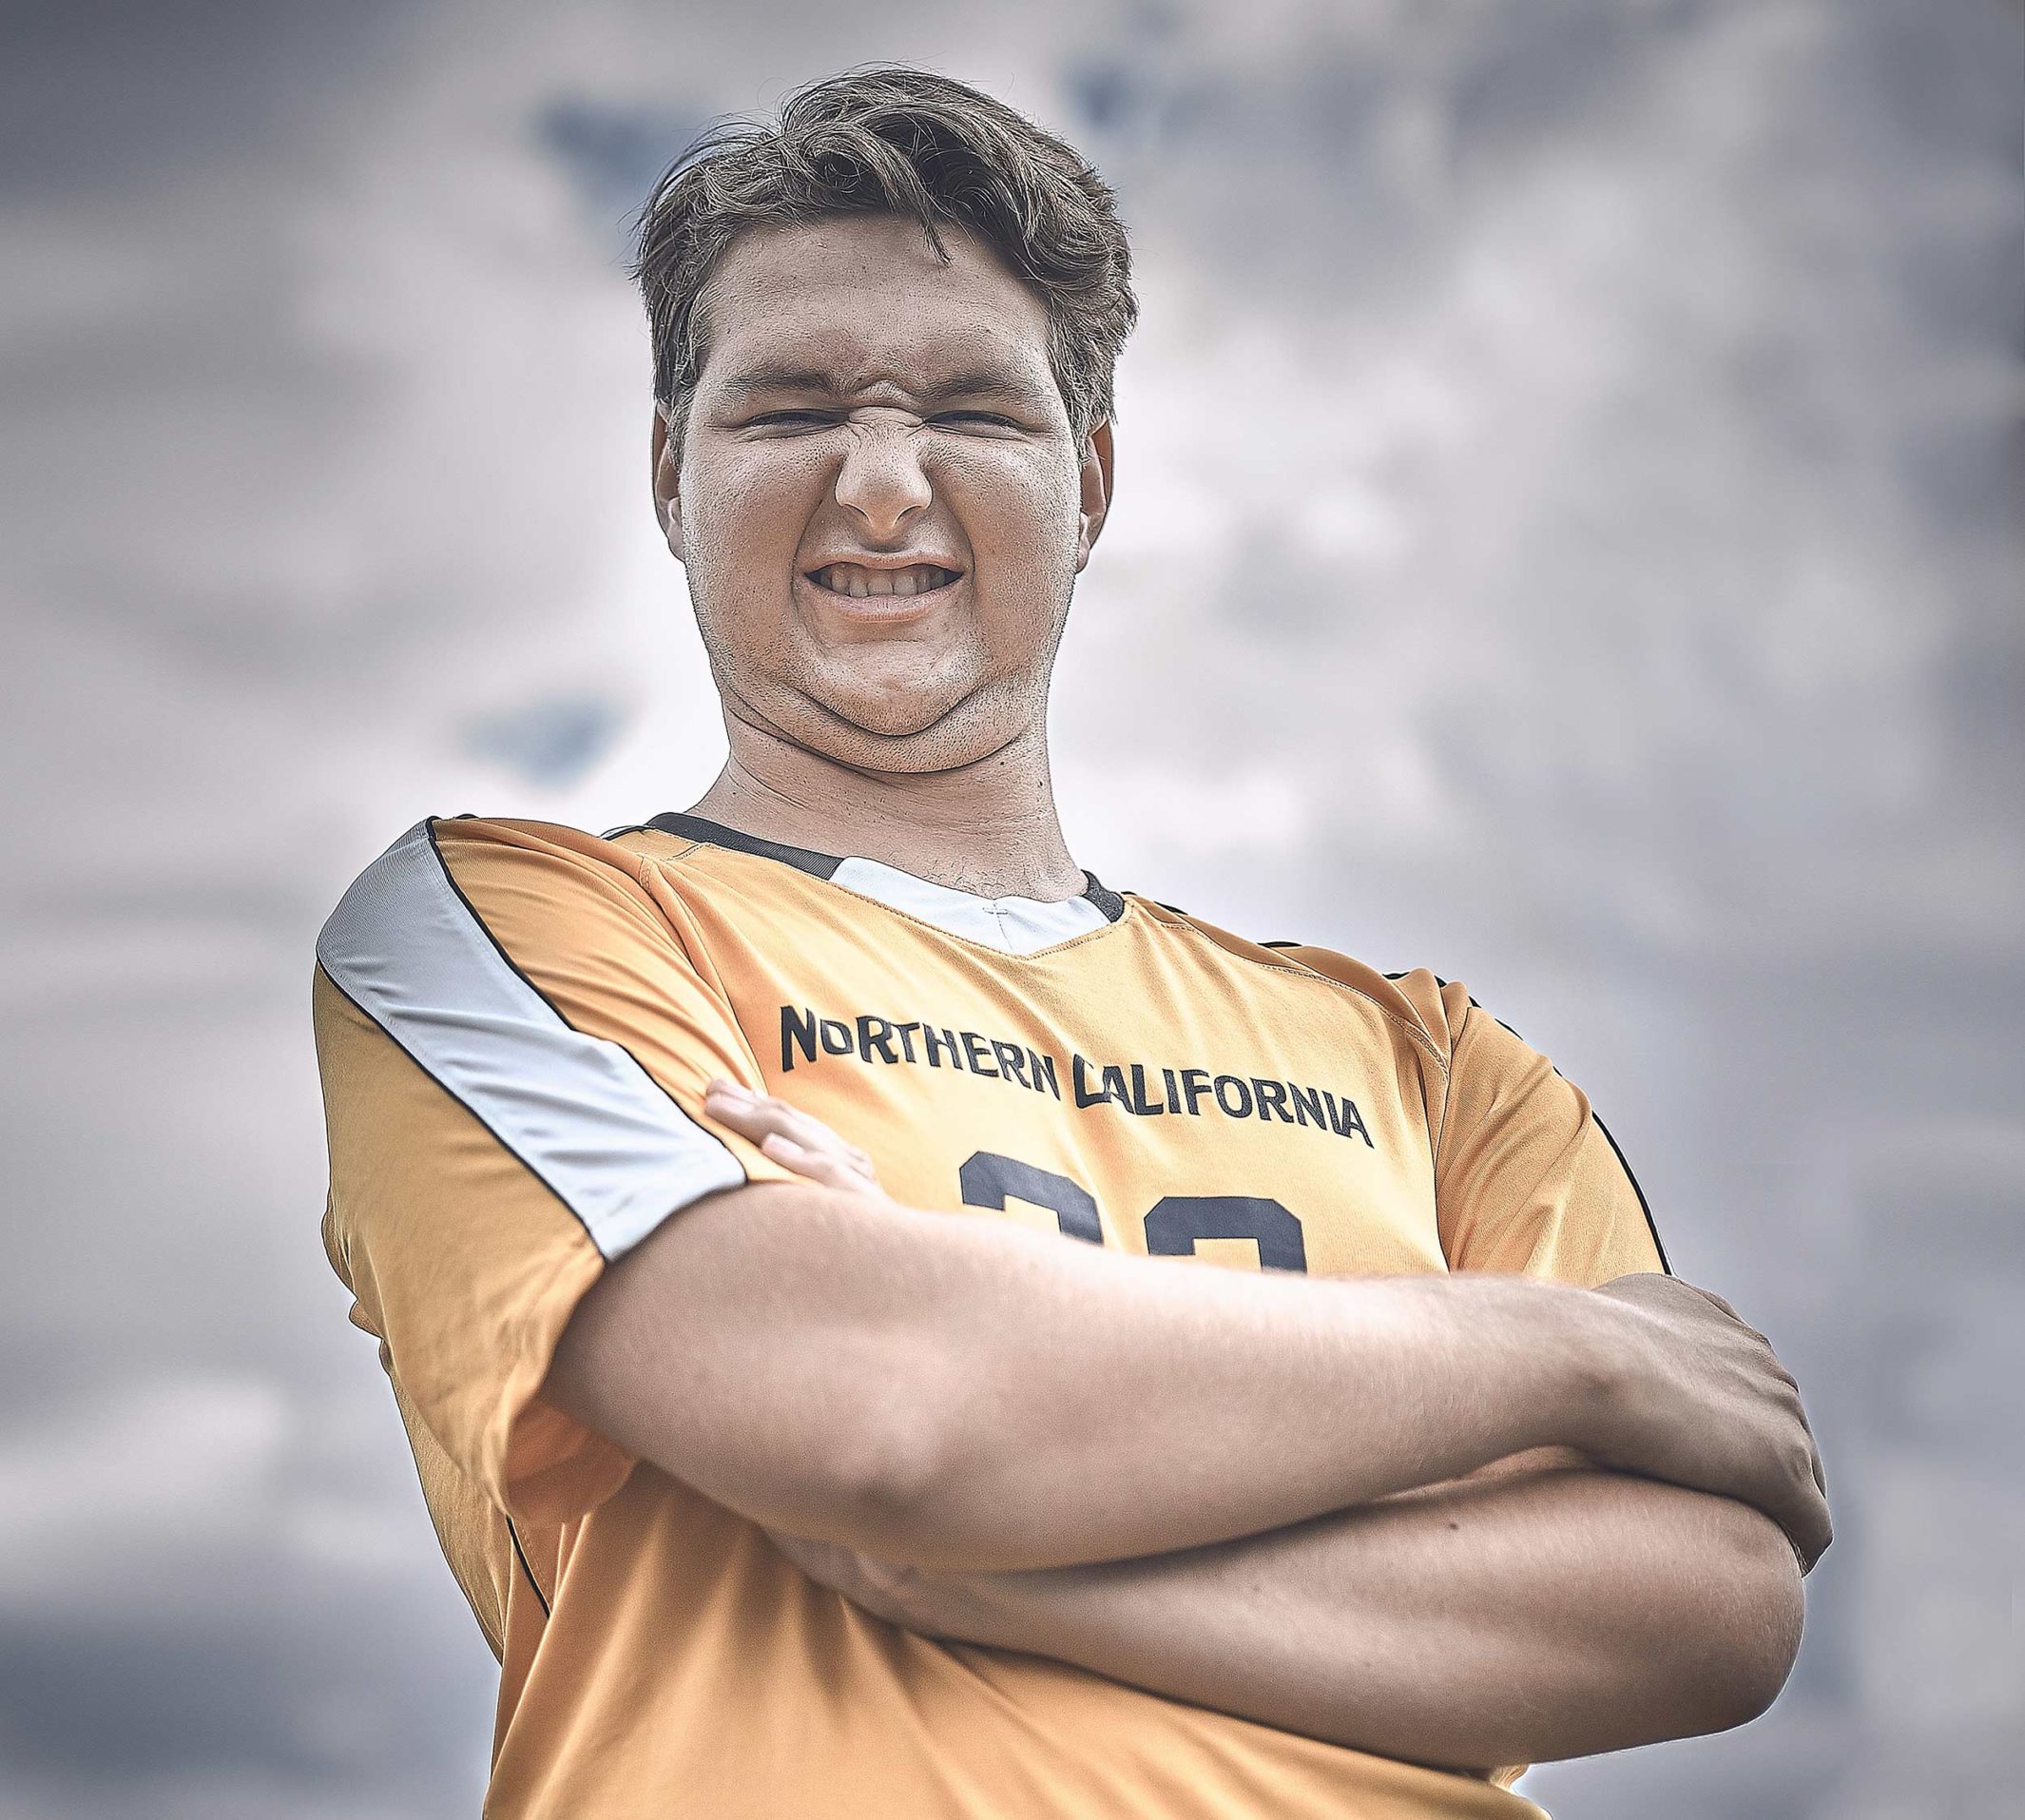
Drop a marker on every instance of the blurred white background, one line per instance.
(1567, 536)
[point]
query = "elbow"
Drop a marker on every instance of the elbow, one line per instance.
(1768, 1662)
(890, 1478)
(1755, 1629)
(924, 1481)
(876, 1483)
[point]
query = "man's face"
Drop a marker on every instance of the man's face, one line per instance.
(880, 499)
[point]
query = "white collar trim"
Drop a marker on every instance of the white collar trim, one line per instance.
(1012, 925)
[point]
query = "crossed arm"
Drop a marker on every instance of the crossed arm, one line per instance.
(1518, 1617)
(911, 1389)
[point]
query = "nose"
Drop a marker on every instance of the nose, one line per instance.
(882, 480)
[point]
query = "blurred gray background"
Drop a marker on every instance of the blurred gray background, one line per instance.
(1567, 536)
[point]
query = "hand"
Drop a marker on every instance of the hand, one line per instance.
(1711, 1407)
(792, 1138)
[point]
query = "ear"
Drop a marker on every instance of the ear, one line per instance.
(1096, 486)
(667, 484)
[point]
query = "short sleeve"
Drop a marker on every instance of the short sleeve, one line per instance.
(1527, 1180)
(514, 1047)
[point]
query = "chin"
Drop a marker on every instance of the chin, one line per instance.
(896, 696)
(911, 730)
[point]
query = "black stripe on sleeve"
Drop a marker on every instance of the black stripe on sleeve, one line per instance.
(520, 1554)
(1645, 1207)
(499, 947)
(455, 1098)
(1652, 1225)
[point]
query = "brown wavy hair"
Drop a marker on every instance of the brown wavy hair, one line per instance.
(894, 139)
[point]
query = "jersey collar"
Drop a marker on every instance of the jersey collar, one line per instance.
(1014, 925)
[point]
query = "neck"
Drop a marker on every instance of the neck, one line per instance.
(988, 827)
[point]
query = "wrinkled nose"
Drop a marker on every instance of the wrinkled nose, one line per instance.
(882, 480)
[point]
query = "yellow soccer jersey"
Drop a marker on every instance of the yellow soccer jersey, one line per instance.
(516, 1024)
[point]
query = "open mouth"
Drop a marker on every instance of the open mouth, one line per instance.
(864, 584)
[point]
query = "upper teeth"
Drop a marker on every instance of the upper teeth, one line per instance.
(848, 578)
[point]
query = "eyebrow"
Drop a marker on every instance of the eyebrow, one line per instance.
(980, 382)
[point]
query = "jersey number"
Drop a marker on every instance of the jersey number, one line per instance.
(1177, 1221)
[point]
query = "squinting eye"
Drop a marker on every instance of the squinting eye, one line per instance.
(975, 417)
(793, 419)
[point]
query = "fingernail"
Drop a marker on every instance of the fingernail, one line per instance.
(728, 1090)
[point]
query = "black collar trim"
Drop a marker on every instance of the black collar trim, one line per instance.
(823, 865)
(693, 827)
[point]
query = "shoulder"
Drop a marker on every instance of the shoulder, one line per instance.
(438, 851)
(449, 876)
(1431, 1012)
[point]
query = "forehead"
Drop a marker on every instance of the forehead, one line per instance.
(864, 295)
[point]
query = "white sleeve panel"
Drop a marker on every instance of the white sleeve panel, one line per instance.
(612, 1144)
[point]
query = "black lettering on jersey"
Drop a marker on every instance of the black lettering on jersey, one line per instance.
(1271, 1095)
(1176, 1223)
(1175, 1228)
(989, 1180)
(1344, 1120)
(798, 1030)
(1113, 1088)
(876, 1034)
(807, 1037)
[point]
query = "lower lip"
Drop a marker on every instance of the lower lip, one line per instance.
(885, 607)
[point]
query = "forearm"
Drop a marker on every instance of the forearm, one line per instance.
(1507, 1619)
(921, 1386)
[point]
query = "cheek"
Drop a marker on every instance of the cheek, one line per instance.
(747, 519)
(1019, 510)
(743, 527)
(1021, 520)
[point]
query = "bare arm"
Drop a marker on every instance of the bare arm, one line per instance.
(917, 1385)
(1509, 1618)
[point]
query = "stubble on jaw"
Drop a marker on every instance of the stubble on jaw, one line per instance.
(882, 754)
(1007, 708)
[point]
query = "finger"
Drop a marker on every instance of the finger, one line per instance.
(810, 1131)
(1811, 1530)
(821, 1167)
(1820, 1534)
(755, 1116)
(813, 1135)
(814, 1165)
(757, 1113)
(1722, 1306)
(733, 1105)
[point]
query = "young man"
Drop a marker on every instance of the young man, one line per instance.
(778, 1487)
